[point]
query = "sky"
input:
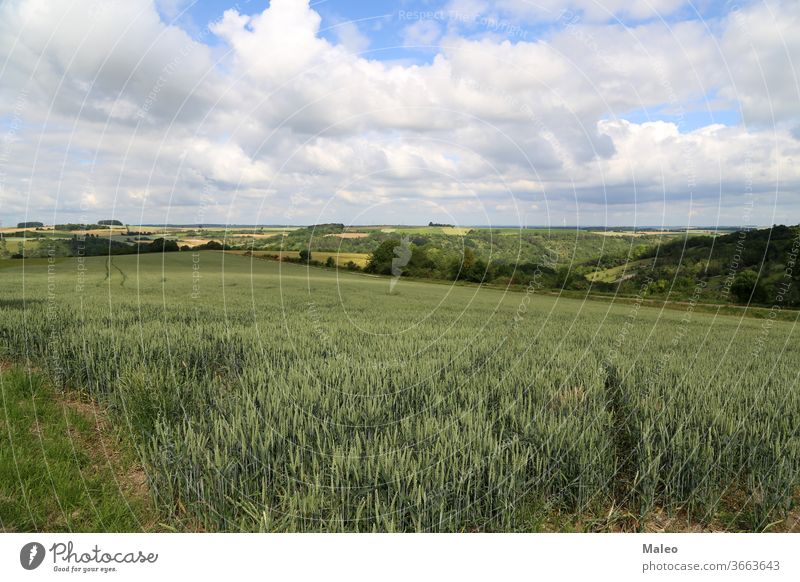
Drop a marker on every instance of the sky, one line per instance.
(468, 112)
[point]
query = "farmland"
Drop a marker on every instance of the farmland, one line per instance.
(270, 396)
(340, 259)
(746, 267)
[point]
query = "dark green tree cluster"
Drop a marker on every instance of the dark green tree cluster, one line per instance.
(429, 262)
(746, 267)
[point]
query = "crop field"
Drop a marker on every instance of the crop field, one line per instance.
(614, 273)
(448, 230)
(341, 259)
(266, 396)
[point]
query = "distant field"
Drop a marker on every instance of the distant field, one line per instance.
(341, 259)
(29, 244)
(614, 273)
(453, 231)
(267, 396)
(349, 235)
(5, 229)
(636, 233)
(215, 231)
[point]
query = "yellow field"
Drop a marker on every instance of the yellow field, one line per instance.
(455, 230)
(634, 234)
(341, 259)
(448, 230)
(29, 229)
(350, 235)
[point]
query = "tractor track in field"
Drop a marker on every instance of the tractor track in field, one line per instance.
(110, 263)
(121, 272)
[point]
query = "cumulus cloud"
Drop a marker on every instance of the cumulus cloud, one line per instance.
(350, 36)
(423, 33)
(275, 122)
(761, 51)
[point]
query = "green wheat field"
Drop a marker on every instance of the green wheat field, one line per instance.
(264, 396)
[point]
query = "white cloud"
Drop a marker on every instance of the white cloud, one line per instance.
(277, 44)
(423, 33)
(350, 37)
(761, 52)
(589, 10)
(111, 100)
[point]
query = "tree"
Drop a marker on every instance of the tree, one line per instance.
(564, 277)
(305, 256)
(746, 287)
(330, 262)
(463, 268)
(380, 261)
(162, 245)
(211, 245)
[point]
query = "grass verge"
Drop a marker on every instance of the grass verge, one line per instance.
(62, 468)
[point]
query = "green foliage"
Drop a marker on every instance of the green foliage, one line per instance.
(54, 475)
(746, 267)
(211, 245)
(565, 276)
(162, 245)
(380, 261)
(747, 287)
(279, 398)
(71, 226)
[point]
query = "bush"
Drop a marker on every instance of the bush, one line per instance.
(747, 288)
(162, 245)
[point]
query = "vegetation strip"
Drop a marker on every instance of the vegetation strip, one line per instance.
(62, 468)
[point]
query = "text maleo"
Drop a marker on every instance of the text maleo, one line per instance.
(659, 549)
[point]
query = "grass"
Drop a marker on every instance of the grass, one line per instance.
(61, 469)
(17, 264)
(267, 396)
(614, 273)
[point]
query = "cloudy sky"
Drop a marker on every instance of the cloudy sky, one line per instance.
(505, 112)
